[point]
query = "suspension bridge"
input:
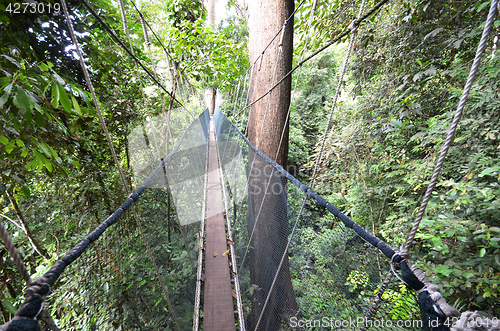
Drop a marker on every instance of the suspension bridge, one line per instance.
(230, 256)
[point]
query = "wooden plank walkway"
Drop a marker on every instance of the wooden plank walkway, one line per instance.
(218, 307)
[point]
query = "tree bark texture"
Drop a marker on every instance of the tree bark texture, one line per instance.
(265, 19)
(267, 218)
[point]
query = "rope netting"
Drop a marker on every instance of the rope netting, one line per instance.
(112, 285)
(330, 274)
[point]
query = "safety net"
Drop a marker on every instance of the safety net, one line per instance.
(329, 276)
(143, 272)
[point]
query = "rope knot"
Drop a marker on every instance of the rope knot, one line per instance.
(354, 26)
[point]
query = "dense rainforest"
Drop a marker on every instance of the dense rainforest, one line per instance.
(406, 74)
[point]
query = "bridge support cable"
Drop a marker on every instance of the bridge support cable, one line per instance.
(127, 33)
(218, 299)
(355, 23)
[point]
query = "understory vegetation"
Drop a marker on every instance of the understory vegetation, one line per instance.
(407, 73)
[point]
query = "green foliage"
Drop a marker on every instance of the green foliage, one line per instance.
(39, 121)
(407, 77)
(211, 58)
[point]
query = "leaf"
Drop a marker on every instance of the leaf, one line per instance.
(10, 308)
(443, 269)
(59, 79)
(52, 151)
(39, 156)
(396, 123)
(76, 164)
(22, 99)
(4, 98)
(433, 33)
(15, 62)
(55, 96)
(64, 99)
(482, 252)
(43, 67)
(49, 165)
(457, 43)
(76, 106)
(483, 5)
(26, 191)
(430, 72)
(4, 140)
(44, 149)
(42, 159)
(33, 164)
(418, 135)
(39, 120)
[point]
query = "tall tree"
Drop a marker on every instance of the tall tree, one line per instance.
(268, 131)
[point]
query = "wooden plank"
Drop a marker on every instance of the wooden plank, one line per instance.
(218, 307)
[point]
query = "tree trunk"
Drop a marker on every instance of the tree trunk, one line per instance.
(267, 122)
(211, 13)
(210, 95)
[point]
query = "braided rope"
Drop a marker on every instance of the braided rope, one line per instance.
(437, 170)
(454, 124)
(40, 286)
(14, 254)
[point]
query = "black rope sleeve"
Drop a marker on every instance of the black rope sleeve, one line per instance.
(360, 231)
(53, 274)
(33, 303)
